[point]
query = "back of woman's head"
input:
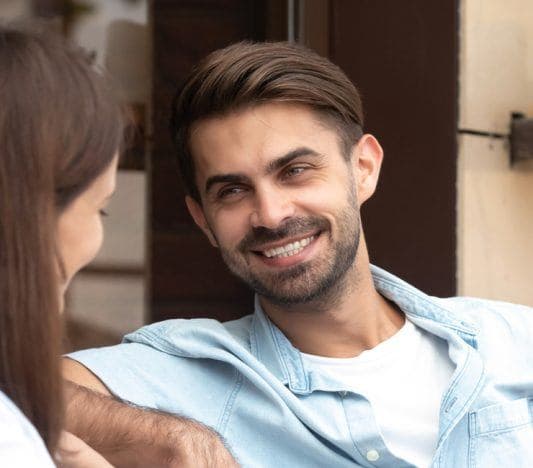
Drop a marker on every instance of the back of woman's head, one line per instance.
(59, 129)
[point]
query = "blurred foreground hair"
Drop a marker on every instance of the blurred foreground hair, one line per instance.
(59, 130)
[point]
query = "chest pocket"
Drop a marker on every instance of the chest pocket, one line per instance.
(502, 435)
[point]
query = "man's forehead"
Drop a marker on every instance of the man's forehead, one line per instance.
(254, 135)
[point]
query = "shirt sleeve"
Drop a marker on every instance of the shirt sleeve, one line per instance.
(149, 377)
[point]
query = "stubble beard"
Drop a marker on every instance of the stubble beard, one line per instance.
(322, 281)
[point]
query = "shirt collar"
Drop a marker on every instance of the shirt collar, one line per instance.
(276, 352)
(282, 359)
(430, 313)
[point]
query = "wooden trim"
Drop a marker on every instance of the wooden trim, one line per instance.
(113, 270)
(313, 25)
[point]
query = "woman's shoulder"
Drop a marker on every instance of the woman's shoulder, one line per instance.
(20, 443)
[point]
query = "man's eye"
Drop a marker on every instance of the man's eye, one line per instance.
(229, 192)
(295, 171)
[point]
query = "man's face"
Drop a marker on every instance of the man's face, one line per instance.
(278, 199)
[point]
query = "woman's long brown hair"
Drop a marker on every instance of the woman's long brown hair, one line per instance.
(59, 129)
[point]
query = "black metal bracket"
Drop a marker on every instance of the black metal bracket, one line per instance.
(520, 137)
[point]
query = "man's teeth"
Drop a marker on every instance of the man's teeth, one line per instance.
(289, 249)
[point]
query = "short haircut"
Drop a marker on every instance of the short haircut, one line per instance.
(253, 73)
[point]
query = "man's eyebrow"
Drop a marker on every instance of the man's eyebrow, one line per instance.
(225, 179)
(272, 166)
(278, 163)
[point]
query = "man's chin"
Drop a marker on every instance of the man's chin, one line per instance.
(287, 292)
(299, 284)
(293, 298)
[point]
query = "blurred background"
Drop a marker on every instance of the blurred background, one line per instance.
(440, 81)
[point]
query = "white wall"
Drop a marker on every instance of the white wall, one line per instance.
(495, 201)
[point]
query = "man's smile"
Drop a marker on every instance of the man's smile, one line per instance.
(287, 253)
(287, 250)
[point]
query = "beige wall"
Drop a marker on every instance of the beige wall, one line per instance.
(12, 9)
(495, 202)
(116, 32)
(115, 303)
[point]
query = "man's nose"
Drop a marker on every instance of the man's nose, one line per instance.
(271, 208)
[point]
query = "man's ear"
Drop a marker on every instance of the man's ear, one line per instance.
(367, 157)
(197, 213)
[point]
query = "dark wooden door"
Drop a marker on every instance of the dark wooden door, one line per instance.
(186, 275)
(403, 57)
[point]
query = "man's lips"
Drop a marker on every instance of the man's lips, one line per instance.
(286, 247)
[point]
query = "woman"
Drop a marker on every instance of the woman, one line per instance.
(60, 132)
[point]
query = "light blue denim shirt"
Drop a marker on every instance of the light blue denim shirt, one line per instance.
(245, 379)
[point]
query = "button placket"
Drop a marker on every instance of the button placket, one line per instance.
(372, 455)
(370, 449)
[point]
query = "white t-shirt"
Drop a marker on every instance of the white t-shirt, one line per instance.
(404, 379)
(20, 443)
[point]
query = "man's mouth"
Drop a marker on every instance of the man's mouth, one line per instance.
(289, 249)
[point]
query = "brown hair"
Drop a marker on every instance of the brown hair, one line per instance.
(59, 130)
(248, 73)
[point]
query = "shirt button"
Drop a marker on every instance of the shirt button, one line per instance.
(372, 455)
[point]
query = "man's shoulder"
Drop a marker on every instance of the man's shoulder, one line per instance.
(155, 361)
(499, 324)
(198, 337)
(469, 314)
(488, 313)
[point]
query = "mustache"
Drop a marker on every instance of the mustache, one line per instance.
(292, 227)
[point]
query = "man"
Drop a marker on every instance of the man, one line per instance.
(341, 364)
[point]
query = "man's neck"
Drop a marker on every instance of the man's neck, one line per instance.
(358, 320)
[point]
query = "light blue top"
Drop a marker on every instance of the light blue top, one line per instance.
(20, 443)
(245, 379)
